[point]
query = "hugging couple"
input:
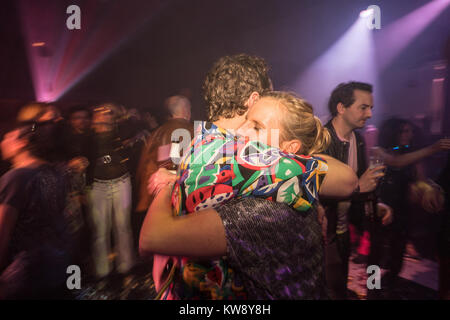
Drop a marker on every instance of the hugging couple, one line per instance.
(240, 220)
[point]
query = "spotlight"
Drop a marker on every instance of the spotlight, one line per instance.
(366, 13)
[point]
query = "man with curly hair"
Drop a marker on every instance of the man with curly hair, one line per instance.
(233, 84)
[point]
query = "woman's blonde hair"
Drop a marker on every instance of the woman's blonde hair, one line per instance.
(299, 122)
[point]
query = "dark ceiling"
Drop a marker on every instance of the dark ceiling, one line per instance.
(168, 46)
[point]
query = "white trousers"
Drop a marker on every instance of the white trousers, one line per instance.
(110, 207)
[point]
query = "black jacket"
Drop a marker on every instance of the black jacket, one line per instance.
(339, 149)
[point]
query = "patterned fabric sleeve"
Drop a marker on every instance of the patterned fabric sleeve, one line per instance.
(266, 172)
(219, 169)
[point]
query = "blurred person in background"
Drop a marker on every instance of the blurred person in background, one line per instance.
(156, 152)
(35, 245)
(402, 188)
(109, 194)
(45, 113)
(133, 133)
(77, 142)
(150, 121)
(70, 152)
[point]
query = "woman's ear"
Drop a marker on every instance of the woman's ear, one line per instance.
(292, 146)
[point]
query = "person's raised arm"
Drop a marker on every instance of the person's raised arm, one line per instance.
(412, 157)
(200, 234)
(340, 180)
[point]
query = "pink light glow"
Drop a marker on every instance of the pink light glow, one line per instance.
(324, 74)
(366, 13)
(58, 57)
(394, 38)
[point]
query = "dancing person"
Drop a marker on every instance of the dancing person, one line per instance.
(288, 179)
(35, 244)
(77, 142)
(67, 156)
(396, 139)
(109, 195)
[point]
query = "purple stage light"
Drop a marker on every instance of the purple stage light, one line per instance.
(350, 58)
(394, 38)
(366, 13)
(362, 55)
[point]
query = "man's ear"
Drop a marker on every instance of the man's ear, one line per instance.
(252, 99)
(340, 108)
(292, 146)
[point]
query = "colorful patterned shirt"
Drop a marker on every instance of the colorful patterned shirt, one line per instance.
(220, 167)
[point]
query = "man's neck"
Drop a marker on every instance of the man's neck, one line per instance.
(343, 130)
(231, 123)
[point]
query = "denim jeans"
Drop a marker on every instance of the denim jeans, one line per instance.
(110, 208)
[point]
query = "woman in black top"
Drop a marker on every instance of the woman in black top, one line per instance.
(34, 242)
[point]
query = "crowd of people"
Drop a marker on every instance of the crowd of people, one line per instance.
(261, 201)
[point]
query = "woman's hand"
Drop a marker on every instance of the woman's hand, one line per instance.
(159, 179)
